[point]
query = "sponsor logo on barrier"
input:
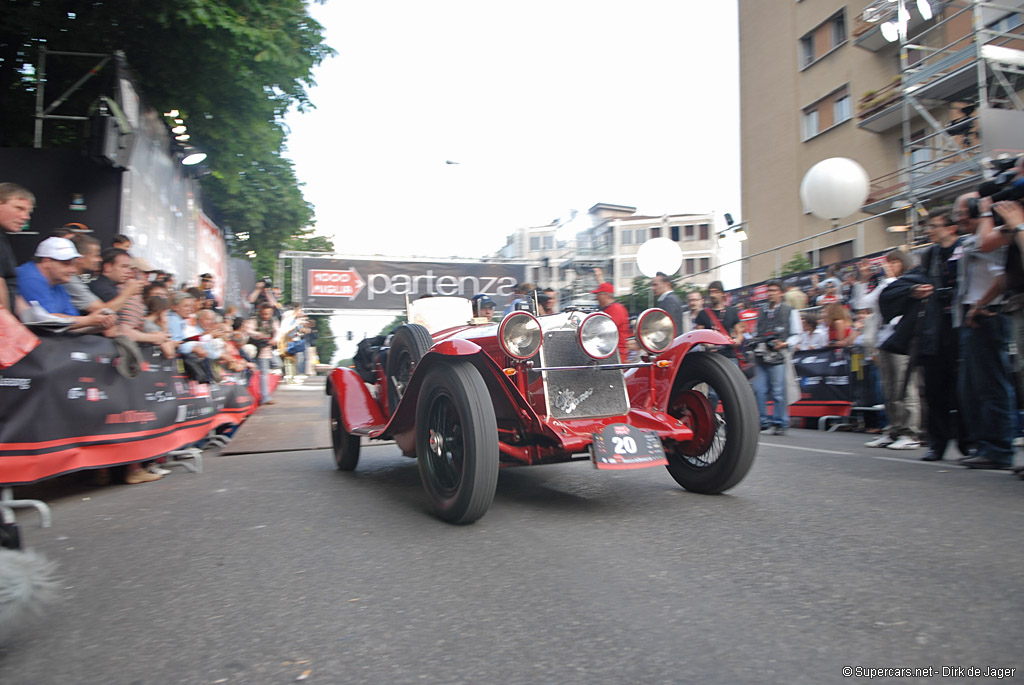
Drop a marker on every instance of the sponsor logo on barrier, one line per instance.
(160, 396)
(182, 413)
(75, 393)
(86, 379)
(335, 283)
(102, 359)
(131, 416)
(95, 395)
(19, 383)
(79, 356)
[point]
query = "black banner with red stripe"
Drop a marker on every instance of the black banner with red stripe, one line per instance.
(64, 407)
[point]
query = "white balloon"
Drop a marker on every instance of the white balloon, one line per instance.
(659, 254)
(834, 188)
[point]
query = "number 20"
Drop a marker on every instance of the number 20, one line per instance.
(624, 445)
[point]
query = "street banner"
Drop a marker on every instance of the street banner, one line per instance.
(64, 408)
(333, 283)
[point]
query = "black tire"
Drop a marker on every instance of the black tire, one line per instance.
(409, 343)
(457, 442)
(726, 441)
(346, 445)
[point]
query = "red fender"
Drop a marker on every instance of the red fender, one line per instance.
(650, 387)
(360, 412)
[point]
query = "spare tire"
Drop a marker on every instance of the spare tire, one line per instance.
(409, 343)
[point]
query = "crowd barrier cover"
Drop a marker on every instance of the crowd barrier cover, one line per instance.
(64, 408)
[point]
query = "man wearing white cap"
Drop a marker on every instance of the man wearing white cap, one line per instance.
(42, 280)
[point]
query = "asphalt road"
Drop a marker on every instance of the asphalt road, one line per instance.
(270, 567)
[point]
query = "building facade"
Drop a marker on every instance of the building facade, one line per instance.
(608, 238)
(920, 94)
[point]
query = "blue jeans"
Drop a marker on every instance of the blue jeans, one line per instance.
(987, 398)
(771, 381)
(264, 366)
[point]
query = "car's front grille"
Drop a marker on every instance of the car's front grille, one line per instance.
(580, 393)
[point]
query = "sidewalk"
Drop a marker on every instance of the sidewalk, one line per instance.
(298, 420)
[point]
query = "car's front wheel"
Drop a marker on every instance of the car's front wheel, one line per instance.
(457, 442)
(346, 445)
(714, 399)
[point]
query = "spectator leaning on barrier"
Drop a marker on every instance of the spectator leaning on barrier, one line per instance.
(121, 292)
(814, 335)
(42, 281)
(779, 326)
(16, 205)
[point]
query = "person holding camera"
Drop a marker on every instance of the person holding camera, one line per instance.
(263, 294)
(987, 401)
(937, 339)
(779, 328)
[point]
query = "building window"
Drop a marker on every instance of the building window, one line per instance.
(627, 270)
(655, 231)
(674, 233)
(627, 236)
(689, 232)
(837, 24)
(641, 236)
(705, 263)
(809, 122)
(806, 50)
(705, 232)
(826, 37)
(691, 267)
(534, 243)
(829, 111)
(841, 110)
(549, 242)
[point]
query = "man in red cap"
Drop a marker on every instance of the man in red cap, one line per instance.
(606, 301)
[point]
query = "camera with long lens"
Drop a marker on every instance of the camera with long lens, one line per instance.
(1006, 185)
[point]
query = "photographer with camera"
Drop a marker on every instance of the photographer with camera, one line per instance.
(778, 330)
(263, 294)
(986, 397)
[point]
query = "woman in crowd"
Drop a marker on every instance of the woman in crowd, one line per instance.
(156, 322)
(902, 405)
(841, 332)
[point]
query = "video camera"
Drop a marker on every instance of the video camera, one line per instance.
(1006, 185)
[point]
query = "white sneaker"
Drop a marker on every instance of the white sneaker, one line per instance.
(905, 442)
(158, 470)
(882, 440)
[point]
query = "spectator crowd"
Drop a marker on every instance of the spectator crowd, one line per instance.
(73, 284)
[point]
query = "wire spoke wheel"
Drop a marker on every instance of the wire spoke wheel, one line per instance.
(408, 345)
(713, 398)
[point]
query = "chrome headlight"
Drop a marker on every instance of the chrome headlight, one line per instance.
(599, 336)
(520, 335)
(655, 330)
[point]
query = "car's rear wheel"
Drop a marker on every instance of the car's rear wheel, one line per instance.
(712, 397)
(346, 445)
(408, 345)
(457, 442)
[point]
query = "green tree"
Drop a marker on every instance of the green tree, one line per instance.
(231, 67)
(798, 263)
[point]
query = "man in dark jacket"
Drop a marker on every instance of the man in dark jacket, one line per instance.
(929, 335)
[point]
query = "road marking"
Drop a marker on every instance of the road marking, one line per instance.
(808, 449)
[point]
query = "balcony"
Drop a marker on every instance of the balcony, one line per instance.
(867, 28)
(929, 181)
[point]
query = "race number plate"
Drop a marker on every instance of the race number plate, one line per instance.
(625, 447)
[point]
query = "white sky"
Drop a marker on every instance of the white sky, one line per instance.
(546, 105)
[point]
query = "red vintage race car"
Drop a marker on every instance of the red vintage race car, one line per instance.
(466, 397)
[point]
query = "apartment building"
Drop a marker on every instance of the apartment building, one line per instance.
(921, 93)
(609, 237)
